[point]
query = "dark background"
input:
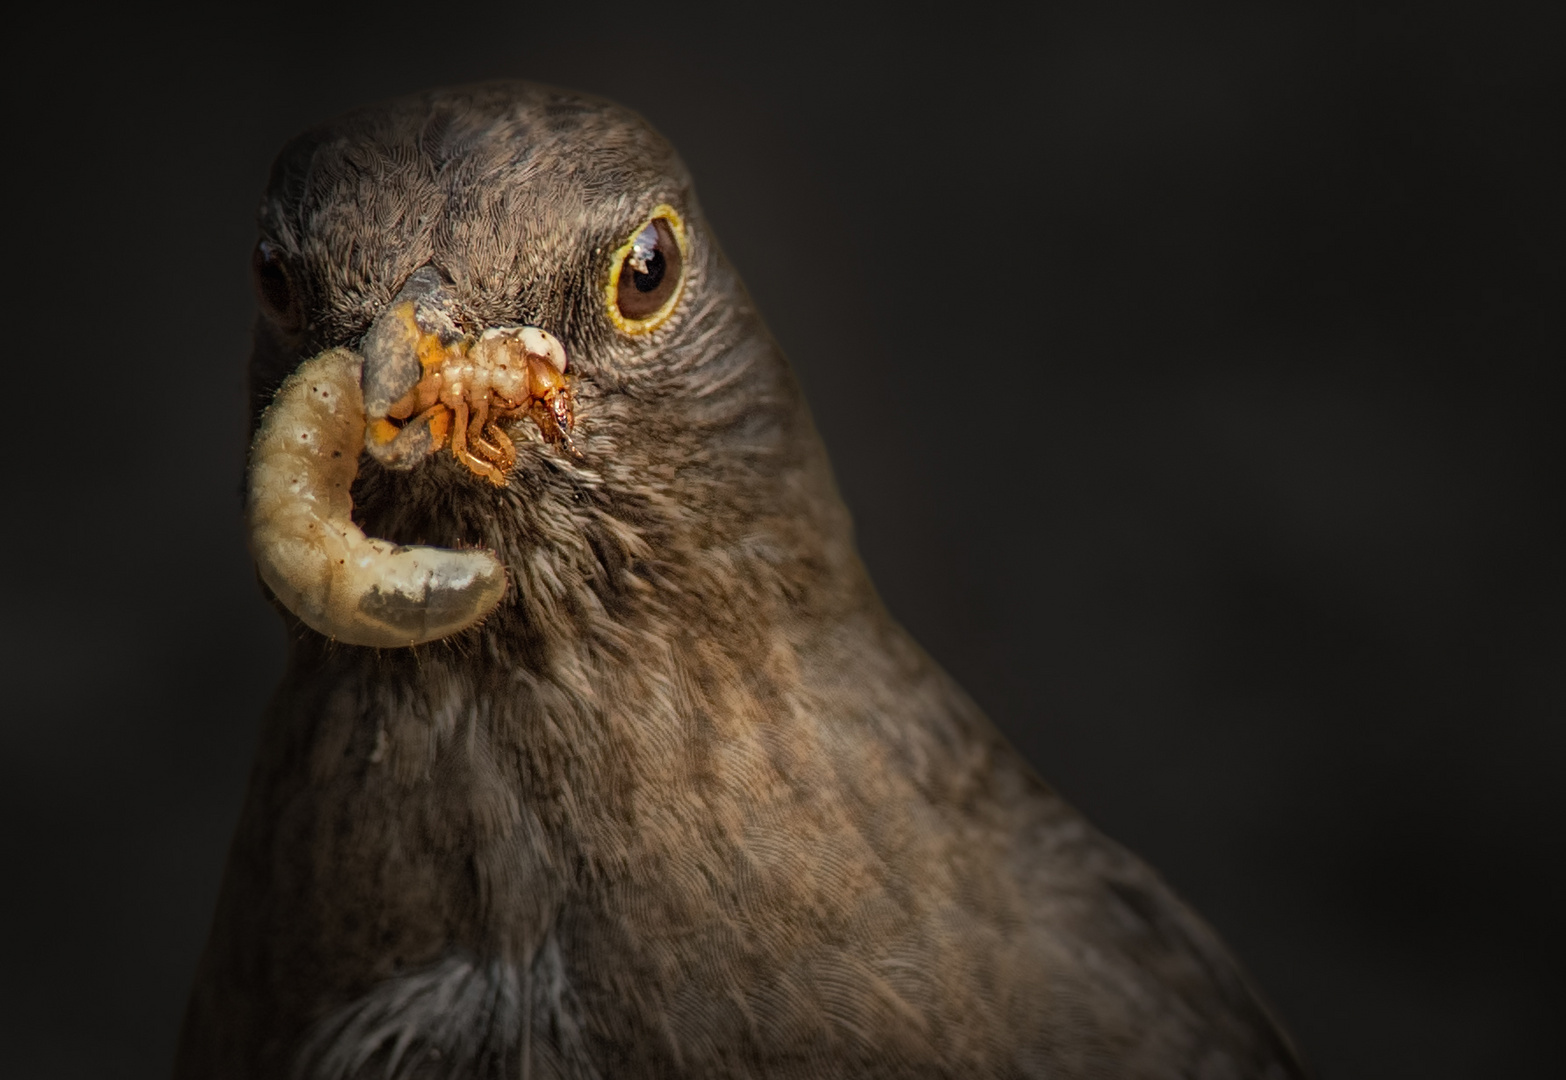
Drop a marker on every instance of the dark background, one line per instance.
(1239, 507)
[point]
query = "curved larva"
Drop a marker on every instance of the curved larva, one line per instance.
(323, 568)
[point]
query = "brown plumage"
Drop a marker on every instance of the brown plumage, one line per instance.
(689, 802)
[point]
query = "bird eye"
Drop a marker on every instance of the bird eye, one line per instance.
(274, 288)
(646, 273)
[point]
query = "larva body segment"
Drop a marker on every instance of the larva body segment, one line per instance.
(348, 586)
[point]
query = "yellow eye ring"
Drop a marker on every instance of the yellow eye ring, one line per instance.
(672, 226)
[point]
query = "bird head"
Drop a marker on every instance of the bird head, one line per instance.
(547, 359)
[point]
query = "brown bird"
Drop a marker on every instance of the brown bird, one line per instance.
(597, 754)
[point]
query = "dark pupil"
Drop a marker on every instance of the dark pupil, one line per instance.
(647, 267)
(650, 274)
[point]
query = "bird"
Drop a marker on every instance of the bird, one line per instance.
(597, 753)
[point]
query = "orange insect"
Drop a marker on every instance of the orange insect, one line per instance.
(465, 388)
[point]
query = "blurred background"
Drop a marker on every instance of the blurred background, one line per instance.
(1241, 511)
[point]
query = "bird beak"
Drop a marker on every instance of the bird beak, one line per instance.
(427, 384)
(417, 384)
(414, 336)
(310, 552)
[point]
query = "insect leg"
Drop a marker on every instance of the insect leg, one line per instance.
(459, 448)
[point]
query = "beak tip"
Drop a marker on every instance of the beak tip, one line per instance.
(424, 305)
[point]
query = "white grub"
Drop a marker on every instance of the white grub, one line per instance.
(322, 566)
